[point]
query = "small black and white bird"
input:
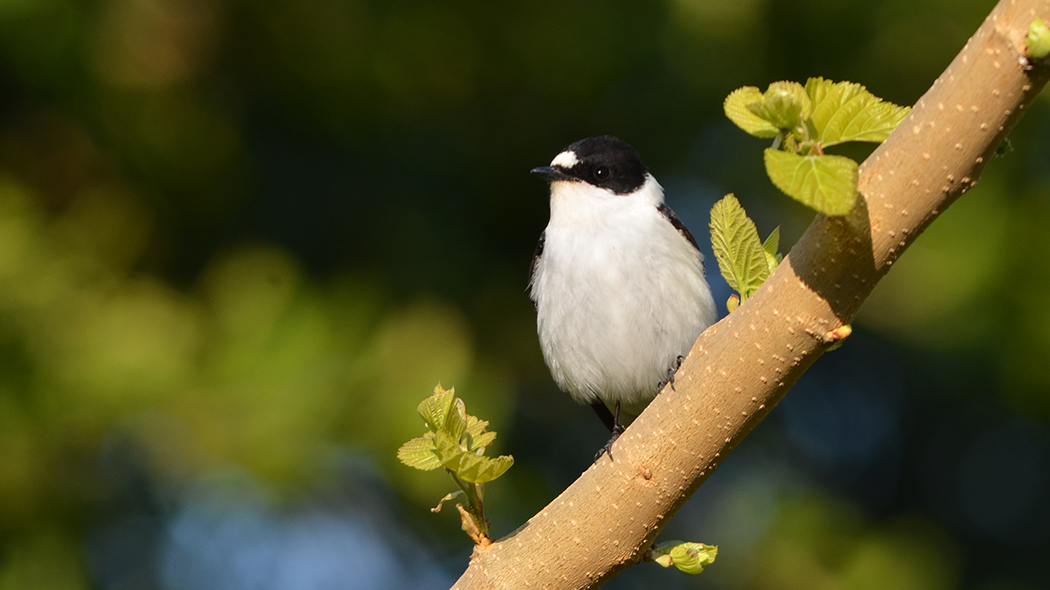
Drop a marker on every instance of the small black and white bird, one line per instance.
(617, 281)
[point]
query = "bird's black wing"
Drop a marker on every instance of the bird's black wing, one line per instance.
(536, 260)
(677, 223)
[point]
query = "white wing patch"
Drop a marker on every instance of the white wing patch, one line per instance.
(566, 159)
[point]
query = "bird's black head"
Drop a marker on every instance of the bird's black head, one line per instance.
(604, 161)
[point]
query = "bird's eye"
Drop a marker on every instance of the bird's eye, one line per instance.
(601, 173)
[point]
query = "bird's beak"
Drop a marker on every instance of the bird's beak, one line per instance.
(550, 174)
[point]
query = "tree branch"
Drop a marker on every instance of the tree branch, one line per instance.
(741, 367)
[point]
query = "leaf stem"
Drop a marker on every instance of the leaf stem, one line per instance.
(475, 507)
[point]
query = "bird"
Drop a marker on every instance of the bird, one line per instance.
(617, 281)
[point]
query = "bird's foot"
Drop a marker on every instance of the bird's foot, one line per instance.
(617, 429)
(670, 375)
(607, 449)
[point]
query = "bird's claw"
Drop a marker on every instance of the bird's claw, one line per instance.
(670, 375)
(607, 449)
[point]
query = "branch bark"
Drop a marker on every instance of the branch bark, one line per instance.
(741, 367)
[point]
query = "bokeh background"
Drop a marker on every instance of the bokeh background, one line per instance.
(241, 239)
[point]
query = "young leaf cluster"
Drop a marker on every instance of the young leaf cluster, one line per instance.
(745, 260)
(804, 120)
(456, 441)
(686, 556)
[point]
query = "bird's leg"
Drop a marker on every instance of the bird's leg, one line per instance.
(670, 375)
(616, 429)
(604, 414)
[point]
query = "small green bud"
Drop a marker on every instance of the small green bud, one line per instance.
(1006, 147)
(1037, 42)
(784, 104)
(837, 337)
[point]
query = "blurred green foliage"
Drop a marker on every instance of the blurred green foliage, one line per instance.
(252, 235)
(819, 543)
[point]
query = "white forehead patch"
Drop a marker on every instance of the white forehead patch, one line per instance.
(566, 159)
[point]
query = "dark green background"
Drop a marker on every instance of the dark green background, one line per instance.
(240, 240)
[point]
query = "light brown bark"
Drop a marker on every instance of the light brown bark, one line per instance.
(741, 367)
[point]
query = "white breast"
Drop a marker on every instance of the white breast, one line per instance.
(619, 292)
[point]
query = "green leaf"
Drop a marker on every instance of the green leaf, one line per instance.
(476, 436)
(456, 421)
(481, 469)
(786, 105)
(480, 441)
(420, 453)
(844, 111)
(770, 247)
(448, 450)
(434, 408)
(737, 247)
(1037, 42)
(475, 426)
(736, 108)
(825, 183)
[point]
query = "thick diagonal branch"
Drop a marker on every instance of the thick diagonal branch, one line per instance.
(741, 367)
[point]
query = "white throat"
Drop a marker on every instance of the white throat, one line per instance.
(580, 203)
